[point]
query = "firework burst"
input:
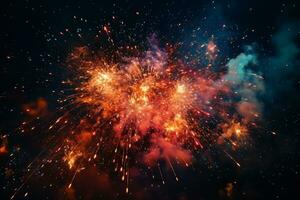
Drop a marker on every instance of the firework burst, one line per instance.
(147, 109)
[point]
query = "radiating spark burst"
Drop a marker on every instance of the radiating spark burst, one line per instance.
(152, 107)
(145, 109)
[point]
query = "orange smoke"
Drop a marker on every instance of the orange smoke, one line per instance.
(36, 108)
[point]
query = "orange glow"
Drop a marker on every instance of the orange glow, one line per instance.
(71, 158)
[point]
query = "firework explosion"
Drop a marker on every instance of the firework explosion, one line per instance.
(151, 108)
(149, 100)
(147, 110)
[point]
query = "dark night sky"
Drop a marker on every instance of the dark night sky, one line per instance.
(37, 36)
